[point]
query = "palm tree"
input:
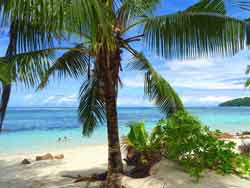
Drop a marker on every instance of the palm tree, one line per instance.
(186, 34)
(181, 35)
(6, 88)
(32, 35)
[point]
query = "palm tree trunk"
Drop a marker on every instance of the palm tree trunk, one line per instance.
(6, 89)
(115, 167)
(110, 68)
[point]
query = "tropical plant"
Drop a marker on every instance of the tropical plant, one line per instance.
(143, 149)
(140, 139)
(196, 148)
(183, 139)
(183, 34)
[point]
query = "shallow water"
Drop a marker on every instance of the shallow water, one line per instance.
(32, 129)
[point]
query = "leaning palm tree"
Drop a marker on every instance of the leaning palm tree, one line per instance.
(33, 33)
(6, 87)
(186, 34)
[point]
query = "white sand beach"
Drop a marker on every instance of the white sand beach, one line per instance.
(86, 160)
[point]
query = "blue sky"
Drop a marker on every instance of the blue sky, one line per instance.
(199, 82)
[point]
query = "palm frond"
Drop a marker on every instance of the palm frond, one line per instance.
(36, 23)
(92, 18)
(243, 4)
(28, 68)
(41, 22)
(72, 63)
(133, 9)
(247, 83)
(190, 35)
(212, 6)
(91, 110)
(5, 73)
(156, 87)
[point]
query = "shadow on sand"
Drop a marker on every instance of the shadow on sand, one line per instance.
(165, 175)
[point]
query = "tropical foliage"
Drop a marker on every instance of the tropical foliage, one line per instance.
(237, 102)
(183, 139)
(140, 139)
(194, 146)
(5, 75)
(105, 31)
(143, 149)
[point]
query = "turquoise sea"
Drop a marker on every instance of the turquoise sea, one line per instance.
(33, 129)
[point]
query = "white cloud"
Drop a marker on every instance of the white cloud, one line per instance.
(68, 99)
(208, 74)
(133, 101)
(207, 84)
(205, 100)
(50, 99)
(187, 99)
(193, 63)
(214, 99)
(28, 97)
(61, 100)
(134, 81)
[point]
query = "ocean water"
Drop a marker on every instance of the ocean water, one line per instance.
(34, 129)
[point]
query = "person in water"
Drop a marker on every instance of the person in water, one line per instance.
(65, 139)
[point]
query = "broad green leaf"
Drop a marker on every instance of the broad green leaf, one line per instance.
(5, 73)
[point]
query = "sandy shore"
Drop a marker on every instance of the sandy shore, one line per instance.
(86, 160)
(47, 174)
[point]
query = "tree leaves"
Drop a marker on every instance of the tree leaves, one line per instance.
(211, 6)
(5, 73)
(91, 110)
(184, 35)
(156, 87)
(73, 63)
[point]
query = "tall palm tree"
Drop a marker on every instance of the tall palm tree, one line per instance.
(201, 30)
(186, 34)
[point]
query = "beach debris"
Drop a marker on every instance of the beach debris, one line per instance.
(244, 137)
(244, 148)
(60, 156)
(91, 178)
(226, 136)
(25, 162)
(245, 133)
(47, 156)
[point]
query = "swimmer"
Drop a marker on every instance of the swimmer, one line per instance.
(65, 139)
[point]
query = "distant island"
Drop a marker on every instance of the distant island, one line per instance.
(237, 102)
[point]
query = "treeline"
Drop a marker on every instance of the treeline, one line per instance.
(237, 102)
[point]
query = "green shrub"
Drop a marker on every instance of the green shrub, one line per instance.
(138, 136)
(183, 139)
(242, 165)
(195, 147)
(147, 146)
